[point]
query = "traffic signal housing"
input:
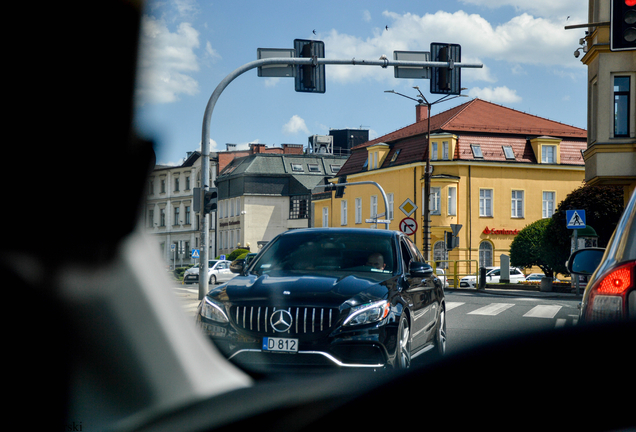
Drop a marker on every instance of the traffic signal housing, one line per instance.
(451, 240)
(446, 80)
(310, 78)
(623, 25)
(210, 200)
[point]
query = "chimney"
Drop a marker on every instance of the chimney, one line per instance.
(421, 112)
(256, 148)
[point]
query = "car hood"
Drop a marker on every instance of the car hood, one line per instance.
(314, 289)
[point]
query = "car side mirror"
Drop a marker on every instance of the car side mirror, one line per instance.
(419, 269)
(238, 266)
(585, 261)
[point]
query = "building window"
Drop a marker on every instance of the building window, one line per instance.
(325, 217)
(445, 155)
(176, 184)
(510, 155)
(162, 217)
(485, 254)
(452, 201)
(343, 212)
(621, 106)
(476, 151)
(176, 216)
(434, 151)
(548, 204)
(151, 218)
(313, 168)
(358, 210)
(187, 215)
(435, 202)
(334, 168)
(297, 167)
(298, 207)
(517, 204)
(374, 206)
(485, 202)
(187, 185)
(163, 186)
(389, 198)
(548, 154)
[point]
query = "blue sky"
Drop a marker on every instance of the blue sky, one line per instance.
(189, 46)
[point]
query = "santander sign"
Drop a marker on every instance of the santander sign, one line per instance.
(501, 231)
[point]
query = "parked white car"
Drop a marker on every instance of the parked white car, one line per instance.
(492, 276)
(441, 275)
(218, 270)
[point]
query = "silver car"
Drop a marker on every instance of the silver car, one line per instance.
(218, 270)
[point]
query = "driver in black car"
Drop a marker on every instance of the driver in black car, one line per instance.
(376, 260)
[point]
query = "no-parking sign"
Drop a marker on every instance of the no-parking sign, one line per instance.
(408, 226)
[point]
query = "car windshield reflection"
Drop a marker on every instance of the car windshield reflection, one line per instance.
(312, 252)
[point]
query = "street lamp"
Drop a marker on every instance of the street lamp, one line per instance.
(427, 170)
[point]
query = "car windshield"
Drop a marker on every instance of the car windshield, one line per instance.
(327, 252)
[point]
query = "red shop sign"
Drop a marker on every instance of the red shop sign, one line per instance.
(501, 231)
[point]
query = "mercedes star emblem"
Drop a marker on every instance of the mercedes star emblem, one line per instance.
(281, 320)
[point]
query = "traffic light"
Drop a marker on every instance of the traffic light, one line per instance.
(210, 200)
(451, 240)
(446, 80)
(623, 25)
(311, 77)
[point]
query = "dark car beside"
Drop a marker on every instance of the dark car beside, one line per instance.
(329, 297)
(610, 293)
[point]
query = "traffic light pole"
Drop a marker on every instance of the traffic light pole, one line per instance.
(207, 118)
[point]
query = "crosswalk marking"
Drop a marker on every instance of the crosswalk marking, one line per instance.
(453, 305)
(543, 311)
(492, 309)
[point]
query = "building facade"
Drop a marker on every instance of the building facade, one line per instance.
(611, 154)
(494, 171)
(169, 212)
(263, 195)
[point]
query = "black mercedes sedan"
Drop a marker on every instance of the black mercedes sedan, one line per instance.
(360, 298)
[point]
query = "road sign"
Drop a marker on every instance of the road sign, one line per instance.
(575, 219)
(408, 207)
(408, 226)
(195, 253)
(385, 221)
(455, 228)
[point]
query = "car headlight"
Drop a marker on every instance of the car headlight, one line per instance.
(368, 313)
(213, 312)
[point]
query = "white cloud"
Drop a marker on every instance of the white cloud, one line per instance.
(501, 95)
(524, 39)
(295, 125)
(166, 61)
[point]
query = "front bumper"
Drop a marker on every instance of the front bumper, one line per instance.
(369, 346)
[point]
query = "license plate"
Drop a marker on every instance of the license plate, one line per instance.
(280, 344)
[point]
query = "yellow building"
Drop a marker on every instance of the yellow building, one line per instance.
(495, 170)
(610, 158)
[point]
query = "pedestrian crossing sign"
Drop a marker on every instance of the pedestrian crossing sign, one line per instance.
(575, 219)
(195, 253)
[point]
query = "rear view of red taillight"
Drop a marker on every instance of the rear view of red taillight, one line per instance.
(608, 298)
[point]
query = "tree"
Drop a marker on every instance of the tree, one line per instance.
(603, 207)
(527, 248)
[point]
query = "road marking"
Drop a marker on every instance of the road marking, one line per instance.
(543, 311)
(492, 309)
(453, 305)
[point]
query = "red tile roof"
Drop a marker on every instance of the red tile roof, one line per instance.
(476, 122)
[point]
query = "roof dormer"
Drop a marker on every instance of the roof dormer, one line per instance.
(376, 155)
(547, 150)
(442, 146)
